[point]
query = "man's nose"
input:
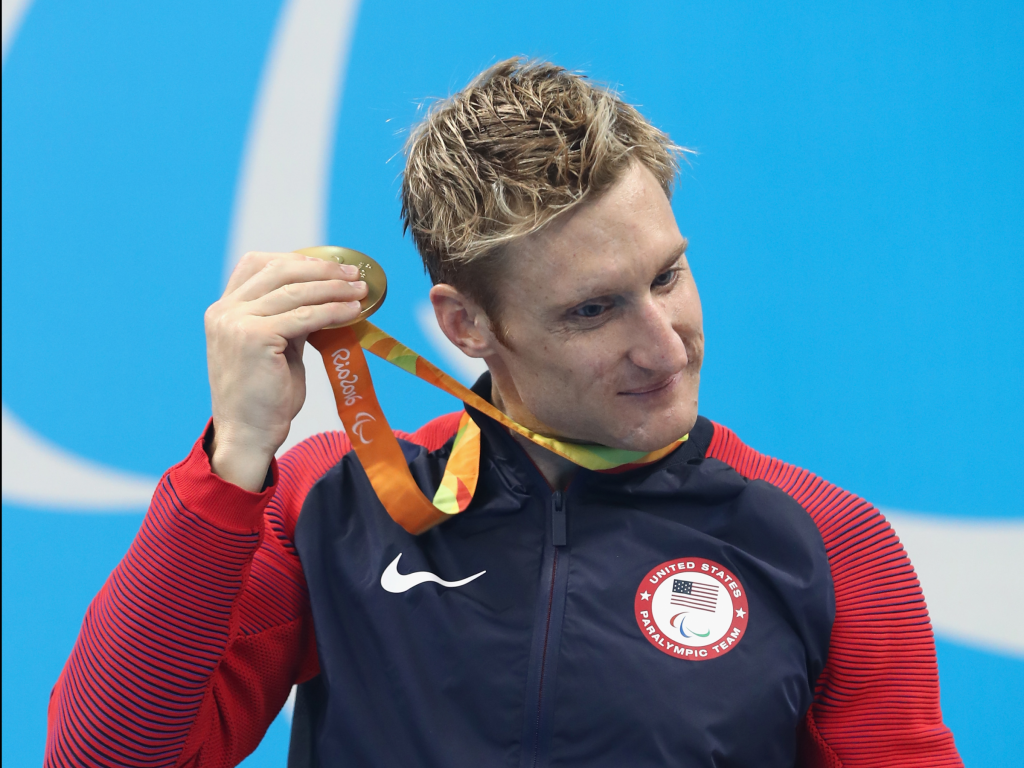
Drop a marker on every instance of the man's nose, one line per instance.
(656, 346)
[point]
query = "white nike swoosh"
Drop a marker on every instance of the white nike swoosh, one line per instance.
(396, 582)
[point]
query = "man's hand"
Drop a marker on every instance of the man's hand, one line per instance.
(254, 339)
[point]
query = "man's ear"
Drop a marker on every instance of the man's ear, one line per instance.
(463, 321)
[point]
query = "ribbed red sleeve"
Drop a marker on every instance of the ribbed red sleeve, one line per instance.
(190, 649)
(876, 703)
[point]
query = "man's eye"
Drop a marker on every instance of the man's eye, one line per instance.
(665, 278)
(590, 310)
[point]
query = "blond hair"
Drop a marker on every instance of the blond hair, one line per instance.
(524, 142)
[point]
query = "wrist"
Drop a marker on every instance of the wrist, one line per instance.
(239, 457)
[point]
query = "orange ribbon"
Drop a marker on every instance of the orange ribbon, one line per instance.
(371, 436)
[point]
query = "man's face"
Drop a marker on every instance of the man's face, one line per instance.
(603, 324)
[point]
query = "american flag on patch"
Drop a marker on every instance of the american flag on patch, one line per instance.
(702, 597)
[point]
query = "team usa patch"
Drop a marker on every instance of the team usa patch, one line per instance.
(692, 608)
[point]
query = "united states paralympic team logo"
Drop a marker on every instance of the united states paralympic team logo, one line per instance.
(692, 608)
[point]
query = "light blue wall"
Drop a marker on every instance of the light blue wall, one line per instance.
(855, 214)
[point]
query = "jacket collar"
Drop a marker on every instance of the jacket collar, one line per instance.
(506, 456)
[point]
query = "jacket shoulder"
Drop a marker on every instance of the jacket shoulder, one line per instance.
(882, 652)
(847, 522)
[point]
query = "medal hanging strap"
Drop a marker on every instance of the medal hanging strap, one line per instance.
(369, 432)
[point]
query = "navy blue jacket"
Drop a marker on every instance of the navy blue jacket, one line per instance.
(542, 661)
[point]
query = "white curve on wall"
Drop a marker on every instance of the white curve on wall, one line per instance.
(12, 14)
(38, 473)
(283, 184)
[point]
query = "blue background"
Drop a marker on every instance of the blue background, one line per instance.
(855, 215)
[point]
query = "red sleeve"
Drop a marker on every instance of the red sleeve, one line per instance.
(436, 432)
(190, 649)
(876, 703)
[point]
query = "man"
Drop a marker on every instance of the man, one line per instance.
(704, 605)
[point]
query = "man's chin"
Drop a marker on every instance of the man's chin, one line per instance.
(655, 434)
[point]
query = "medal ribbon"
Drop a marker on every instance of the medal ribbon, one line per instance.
(378, 450)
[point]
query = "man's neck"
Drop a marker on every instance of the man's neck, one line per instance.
(557, 471)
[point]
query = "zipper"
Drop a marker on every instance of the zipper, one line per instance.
(558, 533)
(538, 723)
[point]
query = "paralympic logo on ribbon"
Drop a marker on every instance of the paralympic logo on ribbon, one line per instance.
(357, 426)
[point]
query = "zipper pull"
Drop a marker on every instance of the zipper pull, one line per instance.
(558, 531)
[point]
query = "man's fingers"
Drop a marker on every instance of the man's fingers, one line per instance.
(307, 319)
(294, 295)
(280, 271)
(251, 263)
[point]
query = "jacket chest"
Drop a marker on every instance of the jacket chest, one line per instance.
(538, 651)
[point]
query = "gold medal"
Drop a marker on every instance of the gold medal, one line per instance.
(370, 272)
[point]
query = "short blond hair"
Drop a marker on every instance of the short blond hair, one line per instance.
(524, 142)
